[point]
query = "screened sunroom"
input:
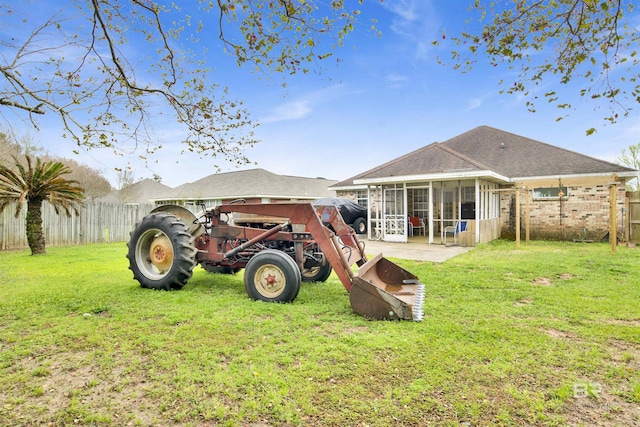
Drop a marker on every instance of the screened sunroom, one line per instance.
(455, 211)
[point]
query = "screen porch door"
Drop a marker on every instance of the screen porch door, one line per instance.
(395, 213)
(448, 210)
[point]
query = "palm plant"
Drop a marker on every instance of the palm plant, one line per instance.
(34, 184)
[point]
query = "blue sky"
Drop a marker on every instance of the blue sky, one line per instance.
(386, 97)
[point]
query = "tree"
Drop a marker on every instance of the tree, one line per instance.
(125, 180)
(81, 64)
(562, 41)
(631, 157)
(11, 147)
(93, 183)
(33, 184)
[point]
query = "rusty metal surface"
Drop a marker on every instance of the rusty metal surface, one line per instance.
(382, 290)
(186, 216)
(338, 243)
(379, 290)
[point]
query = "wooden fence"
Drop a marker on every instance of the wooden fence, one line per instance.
(633, 218)
(96, 223)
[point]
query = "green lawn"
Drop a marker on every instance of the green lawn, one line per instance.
(545, 335)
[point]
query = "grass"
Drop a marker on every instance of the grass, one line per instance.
(545, 335)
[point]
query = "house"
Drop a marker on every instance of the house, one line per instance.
(481, 181)
(252, 186)
(137, 193)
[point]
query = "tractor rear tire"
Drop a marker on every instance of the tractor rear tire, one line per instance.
(318, 273)
(161, 252)
(272, 276)
(360, 225)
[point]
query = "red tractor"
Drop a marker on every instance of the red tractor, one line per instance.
(278, 246)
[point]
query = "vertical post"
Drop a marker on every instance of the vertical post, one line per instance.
(612, 217)
(369, 216)
(431, 208)
(527, 218)
(478, 216)
(518, 218)
(405, 207)
(626, 224)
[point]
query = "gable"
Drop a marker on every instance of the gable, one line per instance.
(516, 156)
(489, 152)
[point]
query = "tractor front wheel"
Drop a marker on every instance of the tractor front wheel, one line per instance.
(272, 276)
(161, 252)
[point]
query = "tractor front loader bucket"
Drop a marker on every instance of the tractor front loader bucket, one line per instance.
(384, 291)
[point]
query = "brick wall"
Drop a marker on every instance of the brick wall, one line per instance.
(565, 219)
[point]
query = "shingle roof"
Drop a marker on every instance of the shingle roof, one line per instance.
(488, 149)
(253, 183)
(434, 158)
(516, 156)
(139, 192)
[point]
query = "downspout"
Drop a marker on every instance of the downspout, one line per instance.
(477, 209)
(431, 207)
(560, 196)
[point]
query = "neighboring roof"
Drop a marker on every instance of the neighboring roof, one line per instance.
(488, 152)
(252, 183)
(137, 193)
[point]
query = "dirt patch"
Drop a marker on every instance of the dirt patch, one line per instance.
(70, 381)
(624, 322)
(523, 302)
(624, 355)
(541, 281)
(606, 410)
(356, 329)
(559, 334)
(546, 281)
(603, 404)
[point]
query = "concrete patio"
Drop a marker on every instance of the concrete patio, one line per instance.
(416, 249)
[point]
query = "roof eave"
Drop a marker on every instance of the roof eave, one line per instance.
(349, 187)
(441, 176)
(621, 174)
(254, 196)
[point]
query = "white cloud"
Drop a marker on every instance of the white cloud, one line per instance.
(414, 21)
(396, 78)
(482, 100)
(474, 103)
(293, 110)
(404, 9)
(302, 107)
(396, 81)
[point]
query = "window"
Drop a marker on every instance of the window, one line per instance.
(550, 193)
(361, 198)
(468, 194)
(421, 202)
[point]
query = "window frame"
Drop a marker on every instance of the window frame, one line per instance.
(550, 193)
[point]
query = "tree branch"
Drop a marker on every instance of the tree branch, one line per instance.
(35, 110)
